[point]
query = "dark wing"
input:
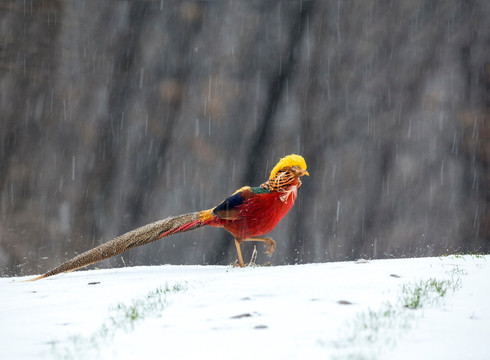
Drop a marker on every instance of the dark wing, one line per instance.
(229, 209)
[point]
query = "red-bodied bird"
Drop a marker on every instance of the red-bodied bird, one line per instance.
(247, 214)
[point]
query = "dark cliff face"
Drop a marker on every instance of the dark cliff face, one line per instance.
(114, 115)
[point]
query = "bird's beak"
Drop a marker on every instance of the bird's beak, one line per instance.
(304, 172)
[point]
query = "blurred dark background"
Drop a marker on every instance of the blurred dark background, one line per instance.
(117, 114)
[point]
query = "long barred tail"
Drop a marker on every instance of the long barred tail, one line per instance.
(138, 237)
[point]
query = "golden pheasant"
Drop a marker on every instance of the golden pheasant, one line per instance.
(247, 214)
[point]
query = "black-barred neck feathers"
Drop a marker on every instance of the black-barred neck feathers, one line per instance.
(286, 172)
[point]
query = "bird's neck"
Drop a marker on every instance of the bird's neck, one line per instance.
(282, 181)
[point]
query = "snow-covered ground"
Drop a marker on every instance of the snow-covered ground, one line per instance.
(331, 310)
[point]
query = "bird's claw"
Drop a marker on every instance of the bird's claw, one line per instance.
(271, 246)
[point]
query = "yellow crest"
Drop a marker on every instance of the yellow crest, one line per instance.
(290, 160)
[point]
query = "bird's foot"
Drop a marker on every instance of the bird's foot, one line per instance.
(271, 246)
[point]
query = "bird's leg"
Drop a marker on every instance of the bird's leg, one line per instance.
(239, 252)
(271, 244)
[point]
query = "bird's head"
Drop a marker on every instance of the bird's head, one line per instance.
(293, 163)
(286, 173)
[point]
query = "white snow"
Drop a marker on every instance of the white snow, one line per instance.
(280, 312)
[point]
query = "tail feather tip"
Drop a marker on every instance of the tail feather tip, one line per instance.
(36, 278)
